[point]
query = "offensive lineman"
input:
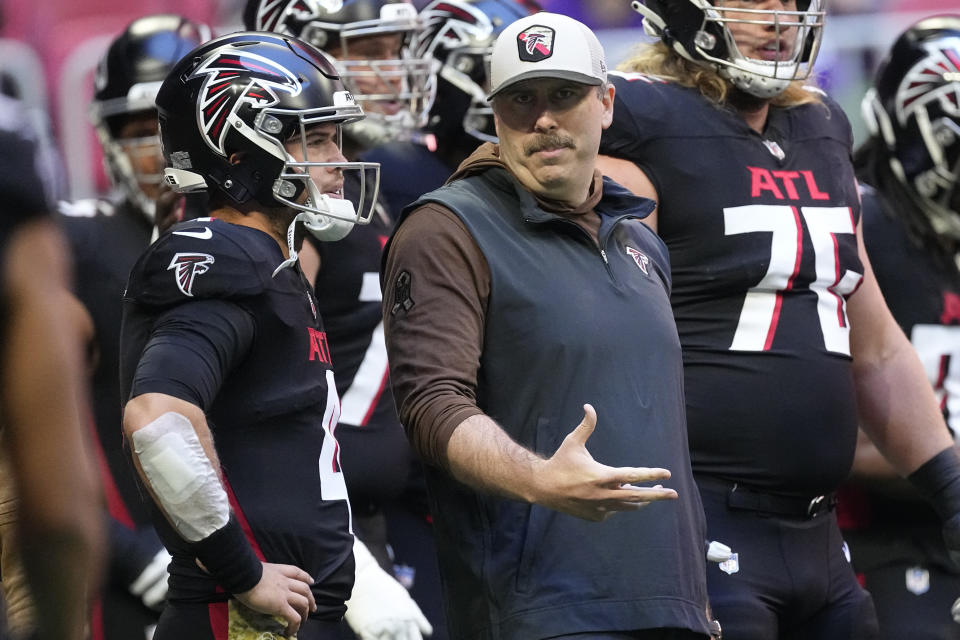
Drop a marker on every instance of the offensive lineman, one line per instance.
(786, 339)
(222, 339)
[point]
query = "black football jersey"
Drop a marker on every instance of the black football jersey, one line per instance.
(252, 352)
(20, 184)
(407, 171)
(106, 241)
(375, 452)
(924, 298)
(761, 233)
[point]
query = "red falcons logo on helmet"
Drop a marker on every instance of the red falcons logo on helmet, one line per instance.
(234, 78)
(935, 78)
(188, 266)
(273, 15)
(451, 25)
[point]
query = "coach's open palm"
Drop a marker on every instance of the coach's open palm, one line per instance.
(573, 482)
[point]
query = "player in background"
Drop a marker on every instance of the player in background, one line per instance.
(459, 35)
(370, 42)
(106, 236)
(787, 343)
(909, 169)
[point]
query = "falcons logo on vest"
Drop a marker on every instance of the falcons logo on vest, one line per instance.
(935, 78)
(188, 266)
(235, 78)
(451, 26)
(640, 258)
(275, 15)
(535, 43)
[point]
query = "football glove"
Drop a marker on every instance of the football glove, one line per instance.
(381, 608)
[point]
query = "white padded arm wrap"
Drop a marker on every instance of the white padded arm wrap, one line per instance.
(181, 476)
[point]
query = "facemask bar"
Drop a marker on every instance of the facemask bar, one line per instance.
(120, 154)
(806, 45)
(478, 119)
(318, 203)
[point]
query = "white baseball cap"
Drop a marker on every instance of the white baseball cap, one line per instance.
(546, 45)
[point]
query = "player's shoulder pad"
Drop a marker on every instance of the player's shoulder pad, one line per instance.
(653, 106)
(201, 259)
(824, 118)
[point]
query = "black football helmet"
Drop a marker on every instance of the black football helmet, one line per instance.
(460, 34)
(126, 82)
(699, 31)
(335, 24)
(248, 93)
(914, 108)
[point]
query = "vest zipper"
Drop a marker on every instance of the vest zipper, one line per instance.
(603, 254)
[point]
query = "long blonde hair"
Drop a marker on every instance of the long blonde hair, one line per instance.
(659, 60)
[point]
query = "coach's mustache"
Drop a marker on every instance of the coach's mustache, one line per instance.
(548, 141)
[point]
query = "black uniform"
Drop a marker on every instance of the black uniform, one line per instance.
(895, 537)
(105, 241)
(764, 254)
(399, 185)
(206, 321)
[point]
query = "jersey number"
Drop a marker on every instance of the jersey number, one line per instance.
(938, 347)
(332, 486)
(761, 307)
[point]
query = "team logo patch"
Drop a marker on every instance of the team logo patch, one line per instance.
(235, 78)
(535, 43)
(918, 580)
(640, 258)
(187, 267)
(774, 149)
(731, 565)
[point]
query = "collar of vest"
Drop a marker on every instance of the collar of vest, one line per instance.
(616, 201)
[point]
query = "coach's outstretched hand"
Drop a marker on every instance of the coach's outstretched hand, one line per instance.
(573, 482)
(284, 591)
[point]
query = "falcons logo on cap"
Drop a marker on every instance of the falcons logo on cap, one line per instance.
(535, 43)
(935, 78)
(234, 78)
(188, 266)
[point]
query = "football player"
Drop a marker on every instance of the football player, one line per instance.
(911, 224)
(459, 35)
(370, 43)
(106, 236)
(787, 341)
(225, 367)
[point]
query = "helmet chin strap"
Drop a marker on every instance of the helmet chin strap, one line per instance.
(326, 228)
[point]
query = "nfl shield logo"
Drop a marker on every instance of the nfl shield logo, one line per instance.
(918, 580)
(535, 43)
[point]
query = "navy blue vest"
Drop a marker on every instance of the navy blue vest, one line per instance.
(569, 323)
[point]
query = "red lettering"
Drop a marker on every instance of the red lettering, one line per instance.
(951, 308)
(761, 180)
(319, 349)
(815, 193)
(788, 177)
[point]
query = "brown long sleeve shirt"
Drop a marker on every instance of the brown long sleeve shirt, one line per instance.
(436, 284)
